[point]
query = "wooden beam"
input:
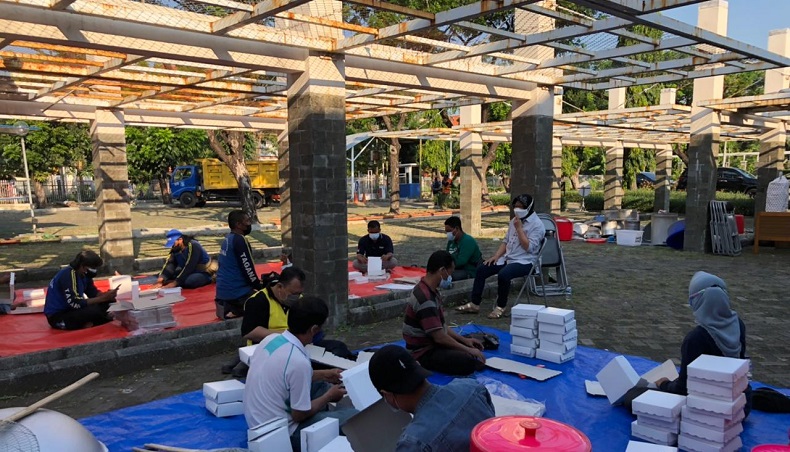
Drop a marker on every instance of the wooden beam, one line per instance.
(260, 11)
(393, 8)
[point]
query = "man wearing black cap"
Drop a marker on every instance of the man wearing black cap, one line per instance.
(444, 416)
(514, 258)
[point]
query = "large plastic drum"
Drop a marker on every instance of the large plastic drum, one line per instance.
(564, 229)
(527, 433)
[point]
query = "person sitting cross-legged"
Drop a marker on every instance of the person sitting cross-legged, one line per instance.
(375, 244)
(187, 264)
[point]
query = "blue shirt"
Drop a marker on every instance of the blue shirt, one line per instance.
(236, 277)
(68, 290)
(445, 417)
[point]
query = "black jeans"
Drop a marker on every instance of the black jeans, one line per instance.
(452, 362)
(224, 308)
(77, 319)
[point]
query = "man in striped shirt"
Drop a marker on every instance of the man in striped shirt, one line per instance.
(427, 337)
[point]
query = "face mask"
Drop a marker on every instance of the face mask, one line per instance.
(92, 272)
(374, 235)
(521, 213)
(446, 283)
(247, 230)
(293, 298)
(450, 236)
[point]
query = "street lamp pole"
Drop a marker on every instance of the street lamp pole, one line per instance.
(27, 181)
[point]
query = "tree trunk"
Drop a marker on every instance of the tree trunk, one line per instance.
(233, 157)
(41, 195)
(487, 159)
(164, 188)
(575, 179)
(394, 159)
(80, 183)
(681, 151)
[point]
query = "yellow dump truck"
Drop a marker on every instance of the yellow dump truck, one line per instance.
(211, 180)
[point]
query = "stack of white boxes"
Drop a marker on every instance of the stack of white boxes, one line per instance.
(154, 318)
(224, 398)
(557, 334)
(34, 298)
(657, 417)
(524, 329)
(272, 435)
(713, 416)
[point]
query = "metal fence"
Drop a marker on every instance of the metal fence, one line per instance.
(15, 191)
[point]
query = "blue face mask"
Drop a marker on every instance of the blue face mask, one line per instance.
(446, 283)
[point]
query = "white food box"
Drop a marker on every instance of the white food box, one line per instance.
(354, 275)
(359, 387)
(525, 342)
(553, 357)
(224, 391)
(245, 353)
(524, 322)
(717, 408)
(718, 368)
(659, 422)
(529, 333)
(522, 351)
(339, 444)
(267, 427)
(717, 436)
(658, 404)
(148, 293)
(170, 291)
(277, 440)
(638, 446)
(225, 409)
(555, 316)
(561, 348)
(124, 284)
(706, 388)
(374, 266)
(704, 419)
(135, 290)
(11, 290)
(318, 435)
(558, 329)
(653, 435)
(691, 444)
(526, 310)
(559, 338)
(617, 378)
(33, 294)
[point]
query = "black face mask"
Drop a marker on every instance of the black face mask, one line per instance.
(247, 230)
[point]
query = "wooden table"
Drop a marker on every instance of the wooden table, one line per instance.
(771, 226)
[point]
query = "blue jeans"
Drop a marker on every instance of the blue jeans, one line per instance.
(197, 279)
(505, 273)
(318, 389)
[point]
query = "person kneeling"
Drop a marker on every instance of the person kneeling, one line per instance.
(187, 265)
(281, 382)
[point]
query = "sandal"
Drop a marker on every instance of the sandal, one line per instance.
(468, 308)
(496, 313)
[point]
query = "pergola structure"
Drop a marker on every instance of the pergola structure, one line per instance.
(302, 68)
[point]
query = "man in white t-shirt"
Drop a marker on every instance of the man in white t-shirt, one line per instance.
(281, 382)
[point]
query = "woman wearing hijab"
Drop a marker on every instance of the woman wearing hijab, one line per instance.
(719, 331)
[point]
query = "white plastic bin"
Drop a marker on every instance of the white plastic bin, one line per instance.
(626, 237)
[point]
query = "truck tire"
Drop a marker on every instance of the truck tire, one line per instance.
(201, 203)
(187, 199)
(258, 200)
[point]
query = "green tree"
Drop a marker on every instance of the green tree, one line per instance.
(234, 148)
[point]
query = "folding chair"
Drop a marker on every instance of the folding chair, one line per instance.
(533, 273)
(551, 258)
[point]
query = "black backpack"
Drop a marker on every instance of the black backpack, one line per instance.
(770, 401)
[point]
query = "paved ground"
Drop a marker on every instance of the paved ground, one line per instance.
(627, 300)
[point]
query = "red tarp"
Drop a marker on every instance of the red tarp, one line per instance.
(30, 333)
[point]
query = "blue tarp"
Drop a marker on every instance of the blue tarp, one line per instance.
(183, 421)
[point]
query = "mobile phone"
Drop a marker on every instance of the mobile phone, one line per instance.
(119, 286)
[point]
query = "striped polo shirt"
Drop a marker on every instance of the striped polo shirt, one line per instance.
(424, 314)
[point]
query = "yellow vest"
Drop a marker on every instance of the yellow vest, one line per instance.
(278, 318)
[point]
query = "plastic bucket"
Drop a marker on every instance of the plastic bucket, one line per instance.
(564, 229)
(627, 237)
(740, 224)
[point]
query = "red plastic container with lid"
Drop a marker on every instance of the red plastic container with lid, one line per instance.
(526, 433)
(739, 223)
(564, 229)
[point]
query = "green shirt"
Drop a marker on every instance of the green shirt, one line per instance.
(466, 253)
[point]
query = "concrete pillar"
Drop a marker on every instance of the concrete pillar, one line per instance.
(663, 174)
(284, 166)
(704, 141)
(669, 96)
(613, 178)
(113, 207)
(532, 162)
(772, 143)
(317, 161)
(471, 176)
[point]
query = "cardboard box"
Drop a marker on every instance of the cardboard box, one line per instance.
(529, 333)
(225, 409)
(339, 444)
(559, 338)
(658, 404)
(554, 347)
(702, 418)
(526, 310)
(318, 435)
(320, 355)
(663, 423)
(524, 322)
(170, 291)
(278, 440)
(225, 391)
(516, 367)
(717, 408)
(524, 342)
(554, 357)
(638, 446)
(528, 352)
(555, 316)
(707, 389)
(718, 368)
(557, 329)
(691, 444)
(267, 427)
(617, 378)
(359, 387)
(716, 436)
(124, 284)
(653, 435)
(32, 294)
(245, 353)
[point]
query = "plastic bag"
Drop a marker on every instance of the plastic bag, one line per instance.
(508, 402)
(776, 196)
